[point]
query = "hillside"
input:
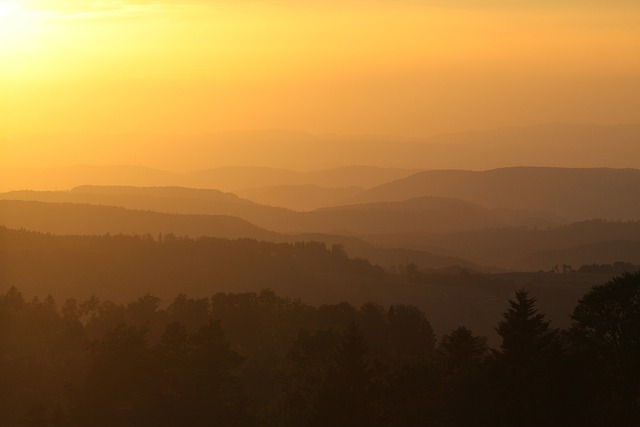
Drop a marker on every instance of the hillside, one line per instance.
(299, 197)
(71, 218)
(605, 252)
(180, 200)
(529, 249)
(85, 219)
(547, 145)
(432, 214)
(431, 232)
(227, 178)
(575, 194)
(121, 267)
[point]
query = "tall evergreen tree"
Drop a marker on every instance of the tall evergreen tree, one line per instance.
(462, 358)
(529, 367)
(460, 349)
(606, 334)
(525, 333)
(344, 399)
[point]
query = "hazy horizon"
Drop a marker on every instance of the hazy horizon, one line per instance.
(540, 145)
(296, 213)
(158, 73)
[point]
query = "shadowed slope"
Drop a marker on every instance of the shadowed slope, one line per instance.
(416, 215)
(299, 197)
(576, 194)
(70, 218)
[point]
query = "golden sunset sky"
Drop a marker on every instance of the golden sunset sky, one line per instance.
(403, 67)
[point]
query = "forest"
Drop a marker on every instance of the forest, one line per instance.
(281, 213)
(244, 359)
(400, 304)
(120, 268)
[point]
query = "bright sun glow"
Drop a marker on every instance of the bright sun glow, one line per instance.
(10, 11)
(18, 25)
(8, 8)
(200, 67)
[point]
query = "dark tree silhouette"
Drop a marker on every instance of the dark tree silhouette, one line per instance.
(280, 362)
(462, 358)
(528, 367)
(607, 333)
(122, 382)
(461, 349)
(207, 388)
(344, 399)
(525, 334)
(412, 336)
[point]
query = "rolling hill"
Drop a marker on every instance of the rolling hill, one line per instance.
(226, 178)
(431, 214)
(434, 214)
(299, 197)
(547, 144)
(575, 194)
(84, 219)
(529, 249)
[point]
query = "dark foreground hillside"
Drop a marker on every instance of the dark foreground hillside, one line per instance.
(248, 359)
(121, 267)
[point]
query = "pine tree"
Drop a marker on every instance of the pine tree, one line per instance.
(460, 349)
(344, 398)
(528, 369)
(606, 333)
(525, 333)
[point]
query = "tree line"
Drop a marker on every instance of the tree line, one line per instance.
(244, 359)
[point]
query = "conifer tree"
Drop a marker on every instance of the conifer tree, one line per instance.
(525, 333)
(344, 399)
(529, 367)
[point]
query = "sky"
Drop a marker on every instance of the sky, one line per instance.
(381, 67)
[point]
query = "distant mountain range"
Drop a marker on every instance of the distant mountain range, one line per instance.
(84, 219)
(514, 218)
(529, 249)
(90, 219)
(575, 194)
(224, 178)
(548, 145)
(424, 214)
(304, 197)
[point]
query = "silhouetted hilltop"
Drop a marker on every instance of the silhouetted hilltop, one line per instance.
(71, 218)
(239, 178)
(528, 248)
(121, 266)
(299, 197)
(576, 194)
(176, 192)
(394, 259)
(432, 232)
(546, 145)
(97, 219)
(357, 175)
(187, 201)
(434, 214)
(64, 178)
(229, 178)
(606, 252)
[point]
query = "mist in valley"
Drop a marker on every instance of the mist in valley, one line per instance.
(358, 214)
